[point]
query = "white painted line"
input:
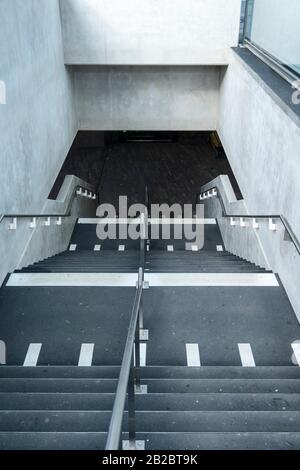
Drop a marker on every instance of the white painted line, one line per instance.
(32, 355)
(296, 349)
(73, 279)
(246, 355)
(143, 353)
(152, 221)
(220, 248)
(97, 247)
(211, 279)
(180, 221)
(192, 355)
(86, 355)
(154, 279)
(73, 248)
(108, 220)
(170, 248)
(121, 248)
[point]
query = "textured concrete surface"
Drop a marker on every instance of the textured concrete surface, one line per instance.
(38, 124)
(143, 98)
(135, 32)
(262, 143)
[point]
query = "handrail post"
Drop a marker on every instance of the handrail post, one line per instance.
(131, 405)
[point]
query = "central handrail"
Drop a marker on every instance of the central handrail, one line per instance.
(115, 427)
(129, 377)
(216, 192)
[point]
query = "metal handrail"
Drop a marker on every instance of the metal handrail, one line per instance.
(282, 219)
(129, 377)
(115, 427)
(66, 213)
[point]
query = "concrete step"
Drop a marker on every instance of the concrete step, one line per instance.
(158, 372)
(222, 385)
(151, 402)
(154, 441)
(57, 385)
(151, 421)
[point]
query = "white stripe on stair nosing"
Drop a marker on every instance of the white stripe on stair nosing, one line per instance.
(170, 247)
(246, 355)
(296, 349)
(143, 353)
(121, 248)
(152, 221)
(192, 355)
(97, 248)
(86, 355)
(73, 247)
(154, 279)
(32, 355)
(219, 248)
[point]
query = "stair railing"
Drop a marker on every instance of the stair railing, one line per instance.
(129, 382)
(214, 192)
(78, 191)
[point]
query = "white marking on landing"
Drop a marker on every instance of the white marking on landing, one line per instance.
(152, 221)
(246, 355)
(121, 248)
(86, 355)
(97, 247)
(192, 355)
(296, 349)
(170, 248)
(73, 279)
(32, 355)
(220, 248)
(154, 279)
(73, 248)
(143, 353)
(211, 279)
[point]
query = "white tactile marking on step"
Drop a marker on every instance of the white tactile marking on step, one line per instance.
(211, 279)
(97, 247)
(296, 349)
(86, 355)
(170, 247)
(121, 248)
(192, 355)
(73, 248)
(246, 355)
(32, 355)
(220, 248)
(73, 279)
(143, 354)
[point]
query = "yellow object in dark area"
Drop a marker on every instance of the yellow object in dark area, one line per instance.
(216, 144)
(215, 140)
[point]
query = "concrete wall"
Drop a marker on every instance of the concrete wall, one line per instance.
(143, 32)
(38, 123)
(262, 143)
(143, 98)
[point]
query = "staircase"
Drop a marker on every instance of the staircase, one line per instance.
(220, 406)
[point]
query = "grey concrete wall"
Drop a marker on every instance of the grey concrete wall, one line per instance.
(143, 98)
(262, 143)
(143, 32)
(38, 123)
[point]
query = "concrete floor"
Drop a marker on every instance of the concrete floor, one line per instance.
(174, 172)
